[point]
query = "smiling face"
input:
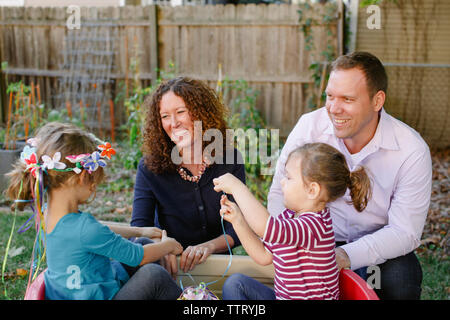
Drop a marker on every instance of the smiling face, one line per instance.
(353, 113)
(176, 120)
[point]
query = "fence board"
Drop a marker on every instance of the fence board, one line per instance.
(262, 44)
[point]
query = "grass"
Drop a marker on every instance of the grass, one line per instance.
(15, 284)
(436, 275)
(435, 285)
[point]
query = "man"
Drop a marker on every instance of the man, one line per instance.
(398, 162)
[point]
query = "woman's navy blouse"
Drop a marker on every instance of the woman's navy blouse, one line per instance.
(188, 211)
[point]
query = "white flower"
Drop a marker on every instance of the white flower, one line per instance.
(54, 163)
(33, 142)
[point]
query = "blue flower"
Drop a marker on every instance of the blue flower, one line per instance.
(93, 162)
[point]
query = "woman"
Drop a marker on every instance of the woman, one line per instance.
(180, 197)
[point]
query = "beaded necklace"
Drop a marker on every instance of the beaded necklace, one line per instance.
(185, 176)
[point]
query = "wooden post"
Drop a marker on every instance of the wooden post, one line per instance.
(154, 65)
(2, 90)
(2, 95)
(354, 7)
(340, 28)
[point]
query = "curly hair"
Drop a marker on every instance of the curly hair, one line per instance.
(203, 104)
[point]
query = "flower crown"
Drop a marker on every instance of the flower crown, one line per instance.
(87, 161)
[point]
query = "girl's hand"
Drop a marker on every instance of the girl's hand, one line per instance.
(226, 183)
(229, 210)
(176, 247)
(194, 255)
(169, 262)
(150, 232)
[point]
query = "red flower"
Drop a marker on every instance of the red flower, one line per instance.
(32, 164)
(107, 151)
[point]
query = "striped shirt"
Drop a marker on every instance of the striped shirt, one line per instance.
(303, 255)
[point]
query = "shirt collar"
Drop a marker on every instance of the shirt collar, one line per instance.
(386, 133)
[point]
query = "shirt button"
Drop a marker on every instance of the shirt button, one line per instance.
(200, 208)
(203, 227)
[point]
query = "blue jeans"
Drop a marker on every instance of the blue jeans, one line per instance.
(242, 287)
(148, 282)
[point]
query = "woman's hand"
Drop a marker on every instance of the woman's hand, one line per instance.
(229, 210)
(150, 232)
(227, 183)
(194, 255)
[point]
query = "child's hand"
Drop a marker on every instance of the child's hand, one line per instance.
(229, 210)
(177, 248)
(226, 183)
(150, 232)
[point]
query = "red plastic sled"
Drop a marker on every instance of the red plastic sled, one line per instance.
(353, 287)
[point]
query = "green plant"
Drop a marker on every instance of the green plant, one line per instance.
(24, 112)
(245, 116)
(135, 113)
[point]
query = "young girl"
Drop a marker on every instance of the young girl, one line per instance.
(299, 241)
(83, 255)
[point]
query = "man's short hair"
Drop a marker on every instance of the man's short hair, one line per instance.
(372, 67)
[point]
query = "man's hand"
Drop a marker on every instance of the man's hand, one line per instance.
(342, 259)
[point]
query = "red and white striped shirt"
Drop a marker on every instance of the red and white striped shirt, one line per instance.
(303, 255)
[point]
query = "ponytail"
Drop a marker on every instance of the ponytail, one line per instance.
(20, 186)
(327, 166)
(360, 190)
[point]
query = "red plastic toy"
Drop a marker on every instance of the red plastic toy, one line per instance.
(36, 291)
(353, 287)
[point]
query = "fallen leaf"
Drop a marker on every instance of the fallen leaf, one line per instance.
(121, 210)
(21, 272)
(15, 251)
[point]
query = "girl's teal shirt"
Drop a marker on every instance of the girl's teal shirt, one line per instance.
(82, 259)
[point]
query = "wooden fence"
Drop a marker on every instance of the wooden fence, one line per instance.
(262, 44)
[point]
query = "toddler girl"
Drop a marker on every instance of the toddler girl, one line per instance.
(299, 241)
(83, 255)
